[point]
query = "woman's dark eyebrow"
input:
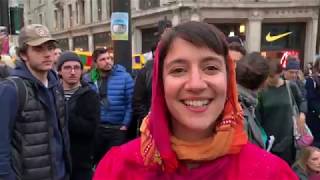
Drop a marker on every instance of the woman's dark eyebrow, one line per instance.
(176, 61)
(212, 58)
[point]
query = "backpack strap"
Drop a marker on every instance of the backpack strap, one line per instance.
(21, 92)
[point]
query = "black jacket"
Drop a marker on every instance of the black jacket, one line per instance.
(142, 94)
(83, 110)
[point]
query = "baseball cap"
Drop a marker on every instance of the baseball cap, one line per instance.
(34, 35)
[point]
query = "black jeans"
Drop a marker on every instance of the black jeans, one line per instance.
(105, 139)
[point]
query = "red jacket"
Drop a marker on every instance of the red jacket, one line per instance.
(125, 162)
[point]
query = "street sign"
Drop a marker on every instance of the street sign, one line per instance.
(119, 26)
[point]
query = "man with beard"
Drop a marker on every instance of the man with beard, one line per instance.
(83, 114)
(115, 88)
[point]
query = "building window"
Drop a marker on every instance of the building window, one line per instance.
(102, 40)
(232, 29)
(80, 43)
(40, 19)
(147, 4)
(109, 8)
(82, 11)
(91, 12)
(56, 19)
(29, 5)
(77, 12)
(63, 44)
(99, 4)
(62, 19)
(70, 15)
(149, 38)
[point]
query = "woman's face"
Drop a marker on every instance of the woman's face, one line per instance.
(195, 88)
(313, 162)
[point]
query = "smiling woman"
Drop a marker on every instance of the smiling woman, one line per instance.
(195, 88)
(195, 127)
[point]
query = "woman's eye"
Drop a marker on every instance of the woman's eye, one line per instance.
(177, 71)
(210, 69)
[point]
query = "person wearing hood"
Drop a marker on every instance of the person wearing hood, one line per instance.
(34, 141)
(195, 128)
(115, 89)
(252, 72)
(83, 110)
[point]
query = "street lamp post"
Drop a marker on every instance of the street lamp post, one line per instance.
(122, 48)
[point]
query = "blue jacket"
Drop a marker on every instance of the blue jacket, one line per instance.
(119, 97)
(8, 111)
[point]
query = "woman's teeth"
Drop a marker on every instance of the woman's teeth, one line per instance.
(196, 103)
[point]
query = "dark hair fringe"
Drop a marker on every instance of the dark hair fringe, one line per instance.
(199, 34)
(97, 52)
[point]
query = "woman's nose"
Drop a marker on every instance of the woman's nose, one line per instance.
(195, 81)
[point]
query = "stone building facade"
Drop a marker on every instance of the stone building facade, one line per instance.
(85, 24)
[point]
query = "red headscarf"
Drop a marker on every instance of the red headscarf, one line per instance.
(156, 147)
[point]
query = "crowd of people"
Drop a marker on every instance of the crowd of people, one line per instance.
(203, 108)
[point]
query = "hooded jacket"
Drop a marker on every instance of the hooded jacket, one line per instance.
(35, 143)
